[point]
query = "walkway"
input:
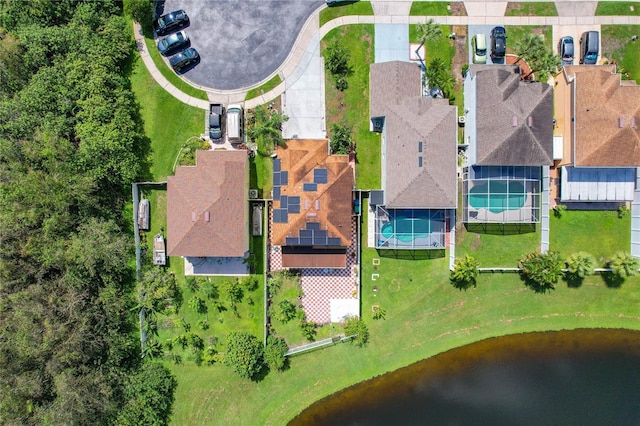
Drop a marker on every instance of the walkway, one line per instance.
(574, 12)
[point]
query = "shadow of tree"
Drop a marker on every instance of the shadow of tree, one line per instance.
(612, 280)
(573, 280)
(536, 286)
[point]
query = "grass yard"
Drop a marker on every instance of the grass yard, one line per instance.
(531, 9)
(443, 48)
(352, 106)
(269, 85)
(168, 123)
(600, 233)
(429, 8)
(425, 316)
(358, 8)
(617, 46)
(167, 72)
(515, 33)
(261, 175)
(617, 8)
(497, 245)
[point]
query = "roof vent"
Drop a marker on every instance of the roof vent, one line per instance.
(419, 161)
(633, 122)
(530, 121)
(419, 146)
(620, 122)
(193, 216)
(514, 121)
(207, 216)
(317, 205)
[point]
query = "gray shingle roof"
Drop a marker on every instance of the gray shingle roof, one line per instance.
(409, 120)
(514, 119)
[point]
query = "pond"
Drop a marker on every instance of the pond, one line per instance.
(580, 377)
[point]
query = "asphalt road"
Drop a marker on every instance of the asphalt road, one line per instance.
(240, 42)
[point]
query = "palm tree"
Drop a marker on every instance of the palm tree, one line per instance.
(545, 64)
(624, 265)
(435, 71)
(267, 130)
(580, 264)
(428, 31)
(529, 47)
(541, 271)
(465, 272)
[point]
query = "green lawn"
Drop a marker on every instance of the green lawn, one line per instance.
(168, 73)
(352, 105)
(617, 8)
(531, 9)
(261, 175)
(600, 233)
(429, 8)
(269, 85)
(617, 46)
(425, 316)
(497, 245)
(515, 33)
(168, 123)
(358, 8)
(443, 47)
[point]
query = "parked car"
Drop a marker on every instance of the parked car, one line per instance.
(215, 122)
(479, 47)
(184, 59)
(173, 42)
(498, 42)
(565, 50)
(589, 47)
(171, 22)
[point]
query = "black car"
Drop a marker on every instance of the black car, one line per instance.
(184, 59)
(565, 50)
(171, 22)
(173, 42)
(498, 42)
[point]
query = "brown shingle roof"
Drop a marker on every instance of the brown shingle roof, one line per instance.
(409, 120)
(514, 119)
(330, 205)
(207, 209)
(606, 110)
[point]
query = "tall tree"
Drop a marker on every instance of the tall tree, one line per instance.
(624, 265)
(244, 354)
(267, 129)
(429, 31)
(528, 47)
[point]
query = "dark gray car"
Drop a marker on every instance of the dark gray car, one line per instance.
(184, 59)
(565, 50)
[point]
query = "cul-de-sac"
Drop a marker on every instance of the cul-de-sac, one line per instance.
(316, 212)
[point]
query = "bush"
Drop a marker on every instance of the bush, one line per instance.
(274, 353)
(341, 142)
(308, 329)
(250, 283)
(541, 271)
(245, 355)
(354, 326)
(464, 273)
(286, 311)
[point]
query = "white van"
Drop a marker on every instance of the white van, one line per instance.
(235, 123)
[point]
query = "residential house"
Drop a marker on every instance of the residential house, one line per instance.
(208, 213)
(312, 205)
(600, 139)
(417, 202)
(509, 140)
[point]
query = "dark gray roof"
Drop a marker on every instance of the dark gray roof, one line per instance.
(411, 121)
(514, 119)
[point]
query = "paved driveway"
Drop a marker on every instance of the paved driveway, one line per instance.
(486, 30)
(241, 42)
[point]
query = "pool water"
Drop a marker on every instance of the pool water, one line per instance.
(498, 196)
(409, 226)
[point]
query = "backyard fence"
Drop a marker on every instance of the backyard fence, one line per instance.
(319, 344)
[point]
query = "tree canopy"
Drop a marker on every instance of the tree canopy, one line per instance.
(245, 355)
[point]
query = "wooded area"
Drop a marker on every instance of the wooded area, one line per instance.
(71, 143)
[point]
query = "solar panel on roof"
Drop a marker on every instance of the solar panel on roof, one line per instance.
(280, 216)
(284, 201)
(276, 165)
(291, 241)
(309, 187)
(319, 241)
(276, 193)
(276, 216)
(320, 176)
(306, 241)
(284, 177)
(313, 225)
(306, 233)
(332, 241)
(294, 200)
(294, 208)
(320, 233)
(276, 178)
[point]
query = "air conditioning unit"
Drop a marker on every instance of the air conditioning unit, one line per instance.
(377, 124)
(461, 120)
(253, 194)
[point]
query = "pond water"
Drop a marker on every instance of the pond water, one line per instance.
(581, 377)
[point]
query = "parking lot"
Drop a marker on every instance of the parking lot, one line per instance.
(241, 42)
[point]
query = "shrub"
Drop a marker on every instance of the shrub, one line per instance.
(541, 271)
(274, 353)
(341, 142)
(308, 329)
(286, 311)
(250, 283)
(355, 326)
(464, 273)
(245, 354)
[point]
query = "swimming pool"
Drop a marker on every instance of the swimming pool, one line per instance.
(413, 229)
(498, 196)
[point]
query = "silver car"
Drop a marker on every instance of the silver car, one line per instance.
(173, 42)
